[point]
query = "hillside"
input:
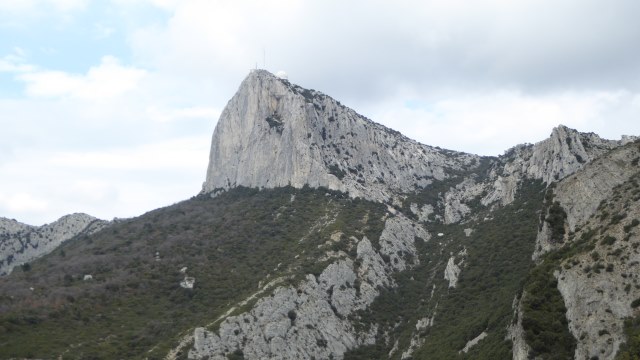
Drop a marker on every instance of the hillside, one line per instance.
(320, 234)
(241, 243)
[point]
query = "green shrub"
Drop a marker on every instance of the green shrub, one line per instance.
(615, 219)
(544, 319)
(634, 223)
(609, 268)
(630, 350)
(556, 217)
(236, 355)
(608, 240)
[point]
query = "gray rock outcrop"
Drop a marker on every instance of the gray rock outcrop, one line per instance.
(515, 332)
(562, 154)
(451, 272)
(580, 194)
(21, 243)
(598, 286)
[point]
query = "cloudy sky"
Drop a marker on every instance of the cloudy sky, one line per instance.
(107, 107)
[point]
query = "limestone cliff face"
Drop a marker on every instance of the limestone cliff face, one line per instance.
(21, 243)
(580, 194)
(273, 133)
(599, 287)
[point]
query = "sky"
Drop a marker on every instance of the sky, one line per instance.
(108, 107)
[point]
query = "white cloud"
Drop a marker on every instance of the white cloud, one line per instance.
(168, 115)
(33, 9)
(490, 123)
(110, 183)
(167, 5)
(16, 6)
(103, 31)
(105, 81)
(15, 62)
(22, 202)
(367, 49)
(175, 154)
(68, 5)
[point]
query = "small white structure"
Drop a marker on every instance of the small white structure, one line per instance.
(183, 270)
(440, 234)
(282, 75)
(87, 277)
(188, 282)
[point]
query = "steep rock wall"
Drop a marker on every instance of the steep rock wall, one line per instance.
(273, 133)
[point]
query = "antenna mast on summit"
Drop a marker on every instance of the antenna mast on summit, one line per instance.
(264, 58)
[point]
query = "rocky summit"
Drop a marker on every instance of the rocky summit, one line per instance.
(273, 133)
(320, 234)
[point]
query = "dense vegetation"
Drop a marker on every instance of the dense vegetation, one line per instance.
(631, 349)
(544, 319)
(134, 307)
(497, 262)
(543, 309)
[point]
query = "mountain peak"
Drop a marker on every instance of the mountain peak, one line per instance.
(274, 133)
(563, 153)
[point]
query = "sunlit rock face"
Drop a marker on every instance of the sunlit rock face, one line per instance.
(273, 133)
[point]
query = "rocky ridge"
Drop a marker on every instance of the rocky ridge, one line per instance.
(274, 133)
(21, 243)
